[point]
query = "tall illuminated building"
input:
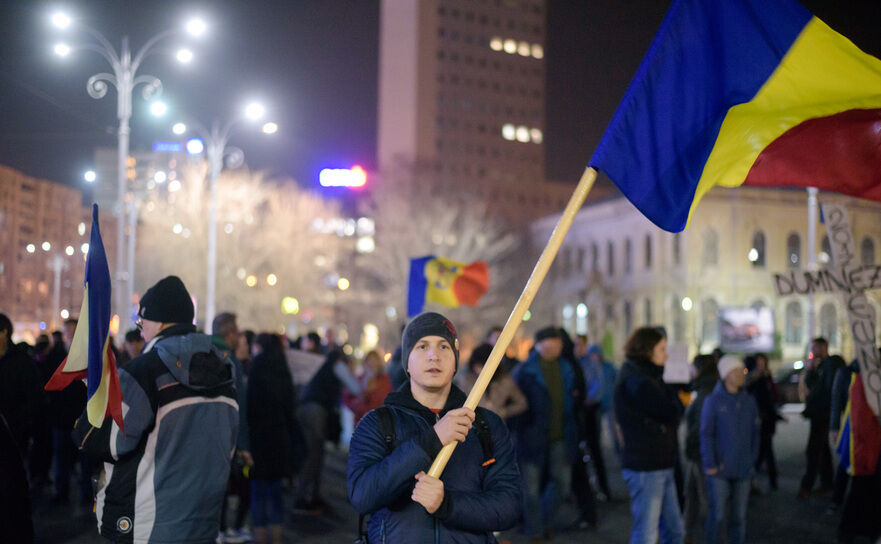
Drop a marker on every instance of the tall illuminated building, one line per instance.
(462, 102)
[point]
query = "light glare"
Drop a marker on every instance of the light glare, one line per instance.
(179, 128)
(158, 108)
(195, 146)
(90, 176)
(196, 27)
(62, 49)
(60, 20)
(184, 56)
(270, 128)
(254, 110)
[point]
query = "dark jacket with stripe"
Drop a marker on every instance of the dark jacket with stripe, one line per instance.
(477, 499)
(164, 477)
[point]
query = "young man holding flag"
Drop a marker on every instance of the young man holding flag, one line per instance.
(388, 461)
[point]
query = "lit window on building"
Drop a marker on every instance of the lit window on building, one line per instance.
(523, 49)
(510, 46)
(509, 132)
(536, 135)
(538, 51)
(522, 134)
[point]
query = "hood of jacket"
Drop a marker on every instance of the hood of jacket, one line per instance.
(194, 361)
(403, 398)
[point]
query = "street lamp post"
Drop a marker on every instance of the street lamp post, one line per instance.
(124, 78)
(216, 150)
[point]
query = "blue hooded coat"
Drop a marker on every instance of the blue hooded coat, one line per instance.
(477, 499)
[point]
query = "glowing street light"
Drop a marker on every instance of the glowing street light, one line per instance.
(61, 49)
(342, 284)
(124, 78)
(60, 20)
(254, 110)
(196, 27)
(184, 56)
(214, 143)
(30, 248)
(687, 304)
(46, 246)
(271, 279)
(158, 108)
(90, 176)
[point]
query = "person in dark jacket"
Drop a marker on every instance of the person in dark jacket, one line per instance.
(319, 414)
(271, 423)
(547, 433)
(729, 434)
(761, 386)
(225, 336)
(19, 387)
(818, 376)
(165, 474)
(840, 397)
(388, 481)
(648, 413)
(706, 376)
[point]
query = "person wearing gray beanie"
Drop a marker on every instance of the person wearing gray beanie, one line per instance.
(393, 446)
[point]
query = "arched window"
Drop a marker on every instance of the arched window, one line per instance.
(793, 250)
(793, 326)
(829, 323)
(648, 251)
(677, 249)
(610, 252)
(825, 255)
(757, 251)
(628, 256)
(867, 252)
(678, 321)
(710, 322)
(711, 248)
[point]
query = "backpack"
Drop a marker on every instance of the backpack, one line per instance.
(386, 419)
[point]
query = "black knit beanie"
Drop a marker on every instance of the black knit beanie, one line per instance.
(428, 324)
(167, 302)
(547, 332)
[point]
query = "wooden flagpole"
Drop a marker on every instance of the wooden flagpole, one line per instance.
(516, 317)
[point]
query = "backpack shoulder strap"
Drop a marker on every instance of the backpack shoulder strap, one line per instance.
(485, 436)
(386, 418)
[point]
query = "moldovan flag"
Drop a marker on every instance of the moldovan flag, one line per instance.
(744, 92)
(90, 353)
(446, 282)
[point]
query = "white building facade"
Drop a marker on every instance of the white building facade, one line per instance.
(617, 271)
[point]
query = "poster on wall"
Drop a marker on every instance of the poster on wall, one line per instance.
(746, 330)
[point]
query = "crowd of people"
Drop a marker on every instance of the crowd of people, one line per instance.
(219, 444)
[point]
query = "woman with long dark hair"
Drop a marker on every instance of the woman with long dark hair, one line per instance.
(648, 413)
(271, 420)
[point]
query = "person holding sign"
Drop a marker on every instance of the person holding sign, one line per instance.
(393, 446)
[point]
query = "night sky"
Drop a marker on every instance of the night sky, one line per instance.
(314, 64)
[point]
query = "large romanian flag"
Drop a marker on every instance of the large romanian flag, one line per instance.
(446, 282)
(744, 92)
(90, 355)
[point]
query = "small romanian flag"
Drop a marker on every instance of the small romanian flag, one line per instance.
(445, 282)
(744, 92)
(90, 355)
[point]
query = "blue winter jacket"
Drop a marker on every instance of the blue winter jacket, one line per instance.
(730, 428)
(477, 499)
(532, 426)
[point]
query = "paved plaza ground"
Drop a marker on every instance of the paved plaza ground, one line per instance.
(773, 518)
